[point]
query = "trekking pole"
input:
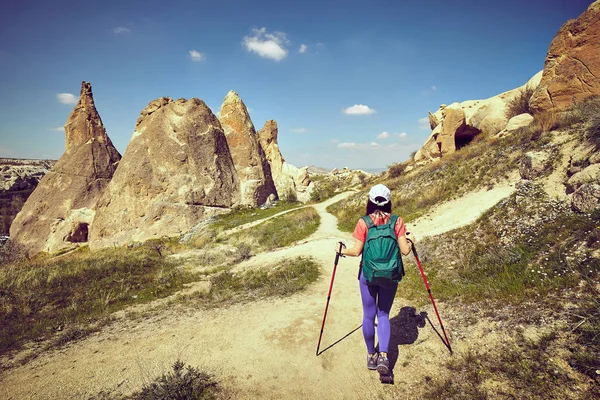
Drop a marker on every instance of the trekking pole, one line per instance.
(414, 250)
(337, 258)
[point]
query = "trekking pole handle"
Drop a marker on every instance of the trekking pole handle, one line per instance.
(339, 252)
(412, 245)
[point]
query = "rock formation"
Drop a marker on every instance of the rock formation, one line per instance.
(455, 125)
(289, 180)
(433, 121)
(250, 162)
(18, 179)
(572, 66)
(50, 219)
(176, 170)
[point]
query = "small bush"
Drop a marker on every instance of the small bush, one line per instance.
(290, 196)
(396, 170)
(587, 327)
(593, 131)
(519, 104)
(244, 252)
(546, 121)
(183, 383)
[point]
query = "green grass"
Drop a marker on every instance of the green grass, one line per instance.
(241, 216)
(516, 367)
(280, 231)
(545, 249)
(65, 298)
(482, 164)
(283, 279)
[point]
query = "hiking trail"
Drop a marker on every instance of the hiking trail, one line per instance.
(266, 349)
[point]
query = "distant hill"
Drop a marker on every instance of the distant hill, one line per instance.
(313, 169)
(19, 177)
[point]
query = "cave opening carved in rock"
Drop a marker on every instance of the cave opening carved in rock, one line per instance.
(79, 233)
(465, 137)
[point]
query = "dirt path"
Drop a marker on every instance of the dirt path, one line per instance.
(264, 349)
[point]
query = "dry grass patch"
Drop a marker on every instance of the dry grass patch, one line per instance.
(65, 298)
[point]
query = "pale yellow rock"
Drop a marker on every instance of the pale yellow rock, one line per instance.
(76, 181)
(515, 123)
(176, 170)
(253, 170)
(289, 180)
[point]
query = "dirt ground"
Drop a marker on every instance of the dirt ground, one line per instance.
(266, 349)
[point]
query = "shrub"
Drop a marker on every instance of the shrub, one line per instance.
(395, 170)
(593, 131)
(519, 104)
(184, 382)
(244, 252)
(322, 190)
(587, 326)
(291, 196)
(546, 121)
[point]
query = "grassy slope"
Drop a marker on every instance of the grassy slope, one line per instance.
(532, 262)
(64, 298)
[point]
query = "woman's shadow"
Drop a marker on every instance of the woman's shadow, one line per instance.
(404, 329)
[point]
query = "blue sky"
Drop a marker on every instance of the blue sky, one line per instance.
(347, 81)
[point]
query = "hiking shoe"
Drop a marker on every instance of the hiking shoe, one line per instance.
(372, 361)
(383, 365)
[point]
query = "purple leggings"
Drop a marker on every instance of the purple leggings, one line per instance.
(377, 300)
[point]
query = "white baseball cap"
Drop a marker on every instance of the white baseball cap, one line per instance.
(380, 190)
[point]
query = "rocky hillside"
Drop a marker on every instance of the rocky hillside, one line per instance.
(19, 178)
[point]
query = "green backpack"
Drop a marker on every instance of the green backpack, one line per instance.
(381, 260)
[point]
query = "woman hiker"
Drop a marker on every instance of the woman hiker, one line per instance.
(378, 294)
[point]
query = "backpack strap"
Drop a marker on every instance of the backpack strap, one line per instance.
(393, 219)
(368, 221)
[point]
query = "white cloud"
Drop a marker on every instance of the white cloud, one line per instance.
(429, 90)
(402, 135)
(196, 56)
(298, 130)
(346, 145)
(267, 45)
(57, 129)
(335, 141)
(383, 135)
(66, 98)
(121, 29)
(424, 123)
(303, 49)
(374, 144)
(358, 109)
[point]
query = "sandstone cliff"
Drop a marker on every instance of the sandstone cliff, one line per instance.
(289, 180)
(253, 170)
(572, 66)
(176, 170)
(455, 125)
(59, 211)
